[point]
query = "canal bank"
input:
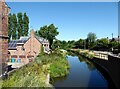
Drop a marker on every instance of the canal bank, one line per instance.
(82, 74)
(110, 69)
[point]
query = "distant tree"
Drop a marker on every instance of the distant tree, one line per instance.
(25, 24)
(91, 37)
(103, 41)
(49, 32)
(113, 44)
(9, 26)
(102, 44)
(64, 44)
(20, 25)
(14, 26)
(56, 44)
(79, 44)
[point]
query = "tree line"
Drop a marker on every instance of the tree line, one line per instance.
(18, 25)
(91, 42)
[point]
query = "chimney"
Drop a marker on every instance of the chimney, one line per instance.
(32, 33)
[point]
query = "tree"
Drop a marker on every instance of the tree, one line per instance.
(79, 44)
(64, 44)
(103, 41)
(56, 44)
(102, 44)
(43, 32)
(20, 25)
(14, 26)
(25, 24)
(91, 37)
(49, 32)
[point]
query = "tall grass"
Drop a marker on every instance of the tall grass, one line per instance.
(59, 66)
(35, 73)
(31, 75)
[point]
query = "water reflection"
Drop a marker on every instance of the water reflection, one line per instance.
(83, 59)
(82, 74)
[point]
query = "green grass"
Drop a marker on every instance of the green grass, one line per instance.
(34, 74)
(59, 66)
(31, 75)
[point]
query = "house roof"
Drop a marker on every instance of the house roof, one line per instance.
(116, 39)
(13, 43)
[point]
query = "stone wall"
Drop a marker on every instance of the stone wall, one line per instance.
(112, 68)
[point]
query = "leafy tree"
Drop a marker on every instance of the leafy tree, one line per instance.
(71, 44)
(20, 25)
(43, 32)
(56, 44)
(9, 26)
(25, 24)
(79, 44)
(103, 41)
(49, 32)
(102, 44)
(91, 38)
(64, 44)
(14, 26)
(113, 44)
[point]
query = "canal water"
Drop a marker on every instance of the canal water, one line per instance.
(82, 74)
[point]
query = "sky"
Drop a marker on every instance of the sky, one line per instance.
(74, 20)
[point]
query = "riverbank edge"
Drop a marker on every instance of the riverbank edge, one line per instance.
(100, 68)
(104, 72)
(85, 53)
(111, 67)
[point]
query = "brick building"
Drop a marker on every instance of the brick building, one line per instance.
(4, 10)
(27, 48)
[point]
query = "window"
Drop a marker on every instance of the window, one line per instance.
(22, 56)
(23, 49)
(13, 56)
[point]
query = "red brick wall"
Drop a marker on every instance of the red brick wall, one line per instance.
(3, 33)
(32, 49)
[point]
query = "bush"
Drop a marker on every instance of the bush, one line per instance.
(31, 75)
(34, 74)
(58, 64)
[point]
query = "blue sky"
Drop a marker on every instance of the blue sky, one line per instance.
(74, 20)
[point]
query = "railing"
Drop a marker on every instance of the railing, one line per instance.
(101, 54)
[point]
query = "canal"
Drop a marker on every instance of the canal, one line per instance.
(82, 74)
